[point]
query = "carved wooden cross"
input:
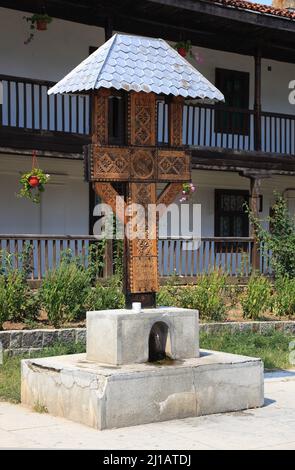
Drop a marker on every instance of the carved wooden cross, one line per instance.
(139, 165)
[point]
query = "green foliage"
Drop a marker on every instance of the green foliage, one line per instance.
(105, 297)
(255, 299)
(280, 240)
(284, 297)
(27, 191)
(17, 300)
(96, 259)
(208, 296)
(169, 294)
(33, 20)
(272, 348)
(63, 292)
(10, 376)
(186, 45)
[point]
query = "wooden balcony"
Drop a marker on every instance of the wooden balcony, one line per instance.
(184, 257)
(30, 119)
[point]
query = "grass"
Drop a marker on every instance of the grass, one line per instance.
(10, 370)
(272, 348)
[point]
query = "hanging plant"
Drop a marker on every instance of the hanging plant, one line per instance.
(37, 22)
(33, 184)
(184, 48)
(187, 190)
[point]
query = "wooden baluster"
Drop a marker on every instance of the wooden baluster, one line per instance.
(40, 107)
(39, 254)
(9, 102)
(77, 114)
(16, 260)
(48, 109)
(31, 243)
(53, 254)
(33, 105)
(46, 267)
(231, 259)
(55, 114)
(16, 104)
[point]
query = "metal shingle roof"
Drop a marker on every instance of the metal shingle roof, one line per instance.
(138, 63)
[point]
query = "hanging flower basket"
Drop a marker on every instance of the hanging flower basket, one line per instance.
(33, 184)
(184, 48)
(37, 22)
(187, 190)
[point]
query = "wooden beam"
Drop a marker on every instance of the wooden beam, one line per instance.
(239, 15)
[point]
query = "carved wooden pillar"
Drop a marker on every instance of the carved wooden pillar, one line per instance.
(142, 267)
(100, 137)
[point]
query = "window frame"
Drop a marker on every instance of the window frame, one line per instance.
(221, 76)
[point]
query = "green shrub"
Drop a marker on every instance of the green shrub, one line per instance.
(169, 294)
(208, 296)
(64, 291)
(284, 297)
(105, 297)
(280, 240)
(18, 302)
(256, 298)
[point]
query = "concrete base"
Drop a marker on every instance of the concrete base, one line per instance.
(104, 396)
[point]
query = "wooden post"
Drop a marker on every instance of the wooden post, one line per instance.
(257, 100)
(254, 206)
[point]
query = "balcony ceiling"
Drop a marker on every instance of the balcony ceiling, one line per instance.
(206, 23)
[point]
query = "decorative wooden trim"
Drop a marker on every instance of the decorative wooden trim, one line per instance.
(136, 164)
(173, 165)
(142, 118)
(100, 116)
(175, 121)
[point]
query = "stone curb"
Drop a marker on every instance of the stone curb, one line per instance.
(27, 341)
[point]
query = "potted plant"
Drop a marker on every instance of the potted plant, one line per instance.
(184, 48)
(33, 184)
(187, 190)
(37, 22)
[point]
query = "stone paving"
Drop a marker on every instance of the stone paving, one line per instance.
(270, 427)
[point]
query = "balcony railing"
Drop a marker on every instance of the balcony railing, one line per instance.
(29, 113)
(29, 118)
(184, 257)
(208, 125)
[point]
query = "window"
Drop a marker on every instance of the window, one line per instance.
(235, 87)
(231, 219)
(163, 121)
(117, 119)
